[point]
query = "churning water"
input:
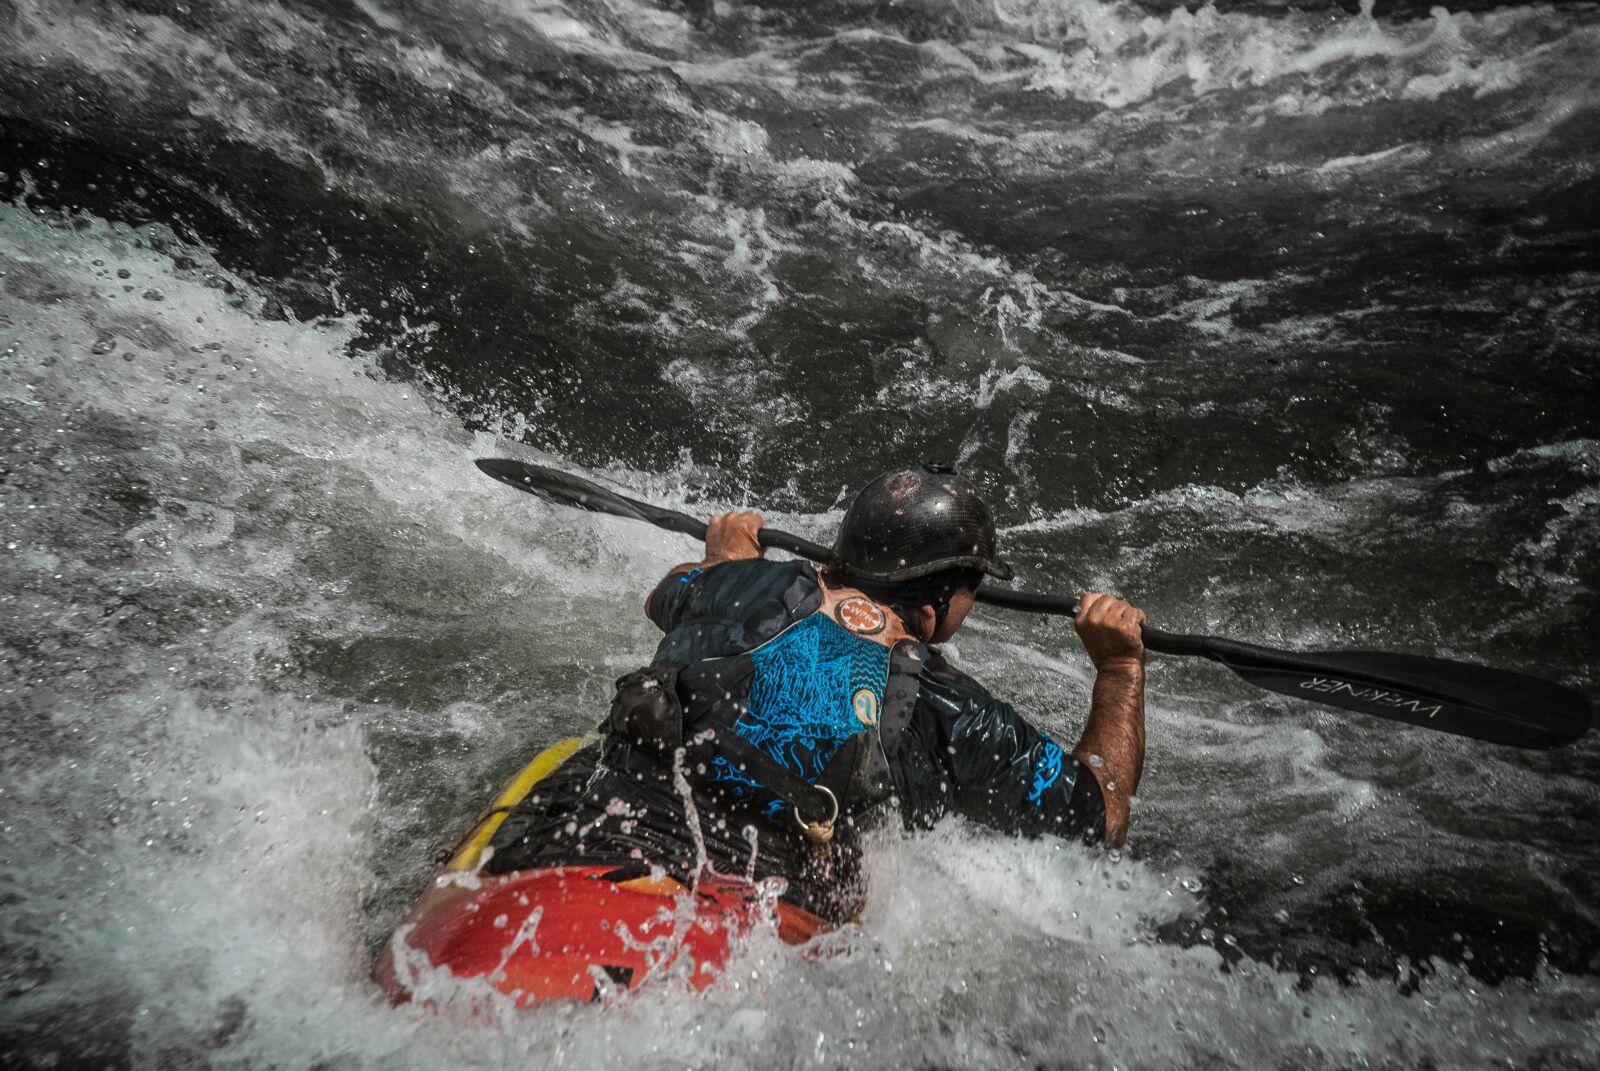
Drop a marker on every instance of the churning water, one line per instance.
(1279, 318)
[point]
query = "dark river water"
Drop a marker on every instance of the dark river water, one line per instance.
(1279, 318)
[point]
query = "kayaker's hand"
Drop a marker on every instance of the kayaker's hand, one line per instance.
(732, 536)
(1109, 629)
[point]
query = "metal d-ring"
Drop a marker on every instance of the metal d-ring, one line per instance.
(818, 832)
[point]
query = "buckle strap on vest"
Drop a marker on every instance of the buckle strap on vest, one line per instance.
(812, 804)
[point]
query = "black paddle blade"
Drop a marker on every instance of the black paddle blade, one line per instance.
(1437, 693)
(565, 489)
(559, 488)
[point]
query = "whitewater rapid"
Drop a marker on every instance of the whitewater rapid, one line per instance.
(206, 836)
(1280, 322)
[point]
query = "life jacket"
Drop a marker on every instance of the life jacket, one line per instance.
(795, 727)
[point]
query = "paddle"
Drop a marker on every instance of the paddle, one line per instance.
(1437, 693)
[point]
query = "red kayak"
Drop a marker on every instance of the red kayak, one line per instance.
(572, 933)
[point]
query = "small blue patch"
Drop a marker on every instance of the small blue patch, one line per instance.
(684, 579)
(1045, 771)
(723, 770)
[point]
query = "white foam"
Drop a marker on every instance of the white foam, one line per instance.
(1120, 56)
(239, 933)
(1403, 154)
(380, 18)
(238, 940)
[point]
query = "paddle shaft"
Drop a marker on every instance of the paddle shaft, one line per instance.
(1231, 653)
(1443, 694)
(1174, 643)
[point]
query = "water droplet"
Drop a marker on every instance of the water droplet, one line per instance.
(1096, 761)
(154, 295)
(1230, 940)
(1191, 884)
(1282, 915)
(1208, 934)
(1298, 880)
(124, 273)
(104, 344)
(1114, 855)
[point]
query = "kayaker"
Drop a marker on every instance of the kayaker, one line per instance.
(786, 710)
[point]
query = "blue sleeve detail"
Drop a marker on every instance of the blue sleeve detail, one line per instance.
(671, 600)
(1045, 771)
(980, 758)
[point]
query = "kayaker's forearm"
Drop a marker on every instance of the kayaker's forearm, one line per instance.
(1112, 746)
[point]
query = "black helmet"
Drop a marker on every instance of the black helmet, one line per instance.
(914, 522)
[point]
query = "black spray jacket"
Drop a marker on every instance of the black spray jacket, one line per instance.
(754, 654)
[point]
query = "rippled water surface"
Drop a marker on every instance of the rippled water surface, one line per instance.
(1280, 318)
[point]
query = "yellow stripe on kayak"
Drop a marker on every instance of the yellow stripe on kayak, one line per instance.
(548, 760)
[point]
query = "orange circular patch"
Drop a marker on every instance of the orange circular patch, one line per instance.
(861, 615)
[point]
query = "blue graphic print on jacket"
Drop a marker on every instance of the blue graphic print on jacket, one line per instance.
(803, 697)
(1045, 771)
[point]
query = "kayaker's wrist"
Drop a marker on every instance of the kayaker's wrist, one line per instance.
(1131, 666)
